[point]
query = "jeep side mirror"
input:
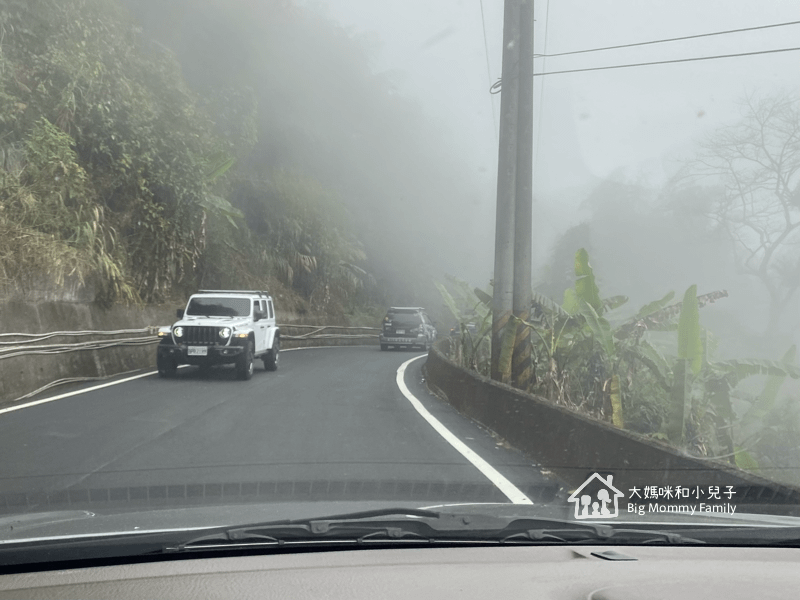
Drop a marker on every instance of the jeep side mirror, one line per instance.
(258, 315)
(179, 313)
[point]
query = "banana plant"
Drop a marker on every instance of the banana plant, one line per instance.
(688, 364)
(470, 305)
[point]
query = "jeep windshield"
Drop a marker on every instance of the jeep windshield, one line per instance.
(208, 306)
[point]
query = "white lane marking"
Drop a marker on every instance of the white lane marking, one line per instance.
(74, 393)
(117, 382)
(81, 391)
(504, 485)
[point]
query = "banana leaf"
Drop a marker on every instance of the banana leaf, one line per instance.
(218, 164)
(678, 401)
(690, 344)
(610, 304)
(616, 402)
(483, 296)
(449, 301)
(571, 302)
(585, 284)
(765, 402)
(655, 306)
(219, 205)
(653, 360)
(601, 331)
(548, 305)
(744, 460)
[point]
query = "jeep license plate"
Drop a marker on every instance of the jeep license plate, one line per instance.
(400, 331)
(198, 351)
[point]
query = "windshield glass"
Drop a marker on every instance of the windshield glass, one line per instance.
(405, 320)
(218, 307)
(595, 204)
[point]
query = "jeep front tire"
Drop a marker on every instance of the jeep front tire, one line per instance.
(244, 363)
(166, 366)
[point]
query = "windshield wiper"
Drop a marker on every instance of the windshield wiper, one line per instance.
(425, 526)
(592, 532)
(357, 527)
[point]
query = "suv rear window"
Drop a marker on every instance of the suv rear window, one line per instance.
(407, 319)
(209, 306)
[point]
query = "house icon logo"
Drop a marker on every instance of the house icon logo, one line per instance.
(596, 498)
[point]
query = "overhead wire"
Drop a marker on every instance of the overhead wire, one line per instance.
(671, 61)
(665, 40)
(497, 86)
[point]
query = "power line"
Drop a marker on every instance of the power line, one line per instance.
(497, 86)
(489, 70)
(666, 62)
(675, 39)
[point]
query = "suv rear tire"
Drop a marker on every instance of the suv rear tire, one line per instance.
(244, 364)
(272, 356)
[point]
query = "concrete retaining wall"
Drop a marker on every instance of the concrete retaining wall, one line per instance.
(24, 374)
(573, 446)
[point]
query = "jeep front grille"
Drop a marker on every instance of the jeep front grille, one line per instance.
(195, 334)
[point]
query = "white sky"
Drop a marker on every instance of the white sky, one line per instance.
(606, 119)
(586, 124)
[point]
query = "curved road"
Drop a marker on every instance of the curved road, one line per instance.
(331, 423)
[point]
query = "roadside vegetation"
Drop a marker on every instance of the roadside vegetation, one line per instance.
(654, 371)
(717, 382)
(140, 161)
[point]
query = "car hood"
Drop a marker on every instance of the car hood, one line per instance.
(213, 322)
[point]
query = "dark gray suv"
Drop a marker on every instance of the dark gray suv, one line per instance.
(407, 327)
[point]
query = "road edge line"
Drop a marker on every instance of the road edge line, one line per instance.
(511, 491)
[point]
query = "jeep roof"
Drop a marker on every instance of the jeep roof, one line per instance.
(259, 293)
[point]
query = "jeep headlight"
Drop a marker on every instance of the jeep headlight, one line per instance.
(178, 331)
(225, 333)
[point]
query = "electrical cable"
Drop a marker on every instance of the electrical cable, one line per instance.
(671, 61)
(675, 39)
(497, 86)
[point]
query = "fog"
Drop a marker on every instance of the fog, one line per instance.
(596, 133)
(388, 102)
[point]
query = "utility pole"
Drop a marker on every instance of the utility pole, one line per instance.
(502, 299)
(522, 367)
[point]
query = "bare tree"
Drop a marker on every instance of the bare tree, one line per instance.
(757, 164)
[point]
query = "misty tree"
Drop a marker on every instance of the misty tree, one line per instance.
(755, 163)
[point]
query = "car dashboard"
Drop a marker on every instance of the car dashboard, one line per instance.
(557, 572)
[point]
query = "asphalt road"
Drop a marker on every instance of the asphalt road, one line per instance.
(330, 424)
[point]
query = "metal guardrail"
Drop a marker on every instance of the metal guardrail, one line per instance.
(30, 344)
(320, 332)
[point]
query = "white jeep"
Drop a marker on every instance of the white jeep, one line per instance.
(221, 327)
